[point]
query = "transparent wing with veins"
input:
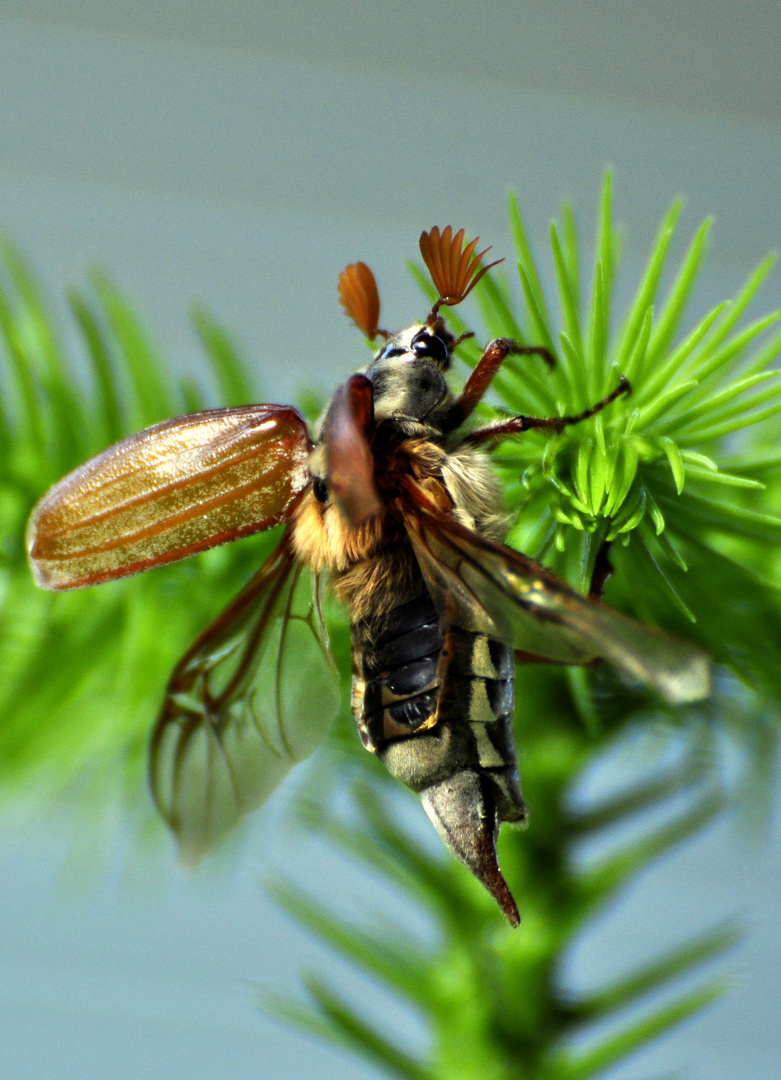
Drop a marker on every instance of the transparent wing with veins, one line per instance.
(254, 696)
(487, 587)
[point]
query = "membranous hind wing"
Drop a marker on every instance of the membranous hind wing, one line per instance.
(254, 695)
(256, 692)
(487, 587)
(176, 488)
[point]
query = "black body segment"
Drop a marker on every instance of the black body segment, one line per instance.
(396, 682)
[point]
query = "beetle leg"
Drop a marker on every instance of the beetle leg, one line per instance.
(489, 363)
(603, 571)
(518, 424)
(348, 456)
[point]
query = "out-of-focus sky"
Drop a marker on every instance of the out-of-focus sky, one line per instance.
(240, 154)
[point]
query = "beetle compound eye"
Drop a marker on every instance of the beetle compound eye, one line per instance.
(437, 348)
(431, 346)
(320, 489)
(390, 352)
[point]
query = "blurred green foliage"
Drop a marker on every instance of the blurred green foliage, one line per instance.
(84, 672)
(690, 503)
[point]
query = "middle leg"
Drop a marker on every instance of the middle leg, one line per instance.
(517, 424)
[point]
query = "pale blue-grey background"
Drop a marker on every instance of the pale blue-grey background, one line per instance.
(241, 155)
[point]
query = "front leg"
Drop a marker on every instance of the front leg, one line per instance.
(489, 363)
(517, 424)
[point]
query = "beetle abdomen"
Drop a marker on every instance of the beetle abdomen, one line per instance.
(437, 709)
(432, 706)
